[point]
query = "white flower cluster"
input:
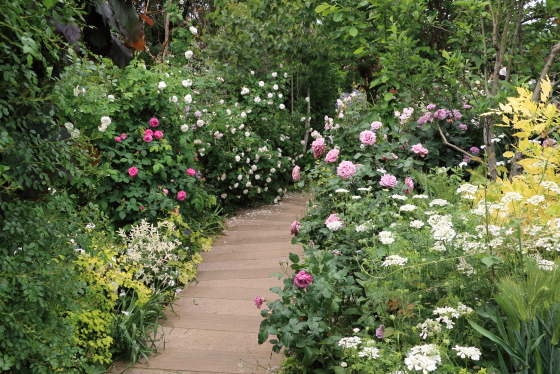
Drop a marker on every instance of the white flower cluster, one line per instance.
(510, 197)
(439, 202)
(469, 190)
(105, 122)
(335, 225)
(407, 208)
(552, 186)
(394, 260)
(535, 200)
(468, 352)
(429, 328)
(420, 197)
(386, 237)
(341, 190)
(369, 353)
(417, 224)
(423, 358)
(74, 133)
(442, 228)
(350, 342)
(364, 227)
(399, 197)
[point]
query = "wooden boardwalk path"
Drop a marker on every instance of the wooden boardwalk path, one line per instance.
(216, 326)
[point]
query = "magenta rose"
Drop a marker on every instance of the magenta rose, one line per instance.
(346, 169)
(296, 174)
(294, 227)
(191, 172)
(258, 301)
(410, 183)
(123, 136)
(318, 147)
(148, 138)
(388, 180)
(158, 134)
(332, 156)
(118, 139)
(133, 171)
(149, 132)
(154, 122)
(302, 279)
(368, 137)
(419, 149)
(182, 195)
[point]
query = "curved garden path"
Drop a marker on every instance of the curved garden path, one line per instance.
(216, 323)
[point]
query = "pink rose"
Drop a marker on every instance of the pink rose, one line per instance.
(419, 149)
(154, 122)
(158, 134)
(148, 138)
(296, 173)
(149, 132)
(123, 136)
(431, 107)
(368, 137)
(388, 180)
(318, 147)
(467, 106)
(191, 172)
(376, 125)
(294, 227)
(117, 139)
(462, 127)
(410, 183)
(258, 301)
(302, 279)
(346, 169)
(182, 195)
(333, 218)
(165, 191)
(474, 150)
(133, 171)
(142, 207)
(332, 156)
(441, 113)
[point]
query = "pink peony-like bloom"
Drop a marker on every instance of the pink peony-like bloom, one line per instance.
(165, 191)
(332, 156)
(474, 150)
(462, 127)
(410, 183)
(302, 279)
(318, 147)
(197, 114)
(182, 195)
(376, 125)
(346, 169)
(133, 171)
(148, 138)
(466, 159)
(440, 113)
(118, 139)
(296, 173)
(549, 142)
(431, 107)
(158, 134)
(149, 132)
(294, 227)
(419, 149)
(467, 106)
(333, 218)
(191, 171)
(154, 122)
(123, 136)
(456, 114)
(368, 137)
(388, 180)
(258, 301)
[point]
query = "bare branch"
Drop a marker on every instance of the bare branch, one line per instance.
(452, 145)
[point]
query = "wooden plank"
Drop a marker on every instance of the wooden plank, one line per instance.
(236, 274)
(233, 293)
(240, 256)
(216, 322)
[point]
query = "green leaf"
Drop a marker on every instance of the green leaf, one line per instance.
(122, 214)
(263, 334)
(353, 31)
(498, 341)
(388, 96)
(321, 8)
(359, 50)
(337, 17)
(49, 3)
(294, 258)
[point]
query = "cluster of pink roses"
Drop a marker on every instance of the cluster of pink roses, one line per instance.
(149, 135)
(318, 147)
(441, 114)
(118, 139)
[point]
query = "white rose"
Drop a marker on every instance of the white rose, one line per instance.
(200, 123)
(185, 128)
(247, 134)
(274, 74)
(173, 99)
(111, 98)
(282, 106)
(189, 54)
(105, 121)
(188, 99)
(237, 158)
(193, 30)
(243, 114)
(161, 85)
(187, 83)
(275, 87)
(261, 83)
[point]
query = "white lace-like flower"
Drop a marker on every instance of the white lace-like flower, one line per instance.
(535, 200)
(417, 224)
(407, 208)
(511, 196)
(341, 190)
(420, 197)
(399, 197)
(429, 328)
(468, 352)
(335, 225)
(369, 352)
(394, 260)
(386, 237)
(350, 342)
(439, 202)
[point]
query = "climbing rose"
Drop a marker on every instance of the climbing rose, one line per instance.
(318, 147)
(419, 149)
(346, 169)
(302, 279)
(191, 171)
(181, 195)
(368, 137)
(158, 134)
(148, 138)
(376, 125)
(332, 156)
(408, 181)
(294, 227)
(118, 139)
(133, 171)
(123, 136)
(296, 173)
(474, 150)
(431, 106)
(258, 301)
(154, 122)
(387, 180)
(149, 132)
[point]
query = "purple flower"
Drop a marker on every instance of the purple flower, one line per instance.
(380, 331)
(302, 279)
(197, 114)
(431, 107)
(462, 127)
(474, 150)
(440, 113)
(258, 301)
(457, 115)
(467, 106)
(388, 180)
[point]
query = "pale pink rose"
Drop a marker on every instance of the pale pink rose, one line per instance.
(258, 301)
(318, 147)
(388, 180)
(410, 183)
(154, 122)
(462, 127)
(302, 279)
(431, 106)
(333, 218)
(191, 171)
(133, 171)
(376, 125)
(419, 149)
(158, 134)
(165, 191)
(296, 174)
(294, 227)
(332, 156)
(182, 195)
(346, 169)
(368, 137)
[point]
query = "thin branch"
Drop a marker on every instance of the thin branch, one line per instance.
(549, 61)
(452, 145)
